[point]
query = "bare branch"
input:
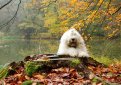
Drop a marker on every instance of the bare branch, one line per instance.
(90, 2)
(117, 10)
(97, 9)
(92, 8)
(13, 18)
(94, 14)
(103, 20)
(6, 4)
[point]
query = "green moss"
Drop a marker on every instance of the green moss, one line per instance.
(94, 80)
(31, 67)
(3, 71)
(28, 82)
(104, 59)
(1, 66)
(75, 62)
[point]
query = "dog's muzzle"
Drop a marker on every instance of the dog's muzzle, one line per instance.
(73, 43)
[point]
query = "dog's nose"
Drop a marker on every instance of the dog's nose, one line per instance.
(73, 39)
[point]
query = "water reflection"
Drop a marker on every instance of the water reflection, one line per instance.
(15, 50)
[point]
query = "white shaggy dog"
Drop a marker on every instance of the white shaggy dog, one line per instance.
(72, 44)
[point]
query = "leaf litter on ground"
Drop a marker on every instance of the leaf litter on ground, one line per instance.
(98, 75)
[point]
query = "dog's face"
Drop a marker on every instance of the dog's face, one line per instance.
(72, 38)
(72, 43)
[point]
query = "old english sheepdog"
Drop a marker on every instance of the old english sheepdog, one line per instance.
(72, 44)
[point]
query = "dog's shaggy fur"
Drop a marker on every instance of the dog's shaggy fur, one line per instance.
(72, 44)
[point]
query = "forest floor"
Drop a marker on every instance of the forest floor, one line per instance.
(44, 70)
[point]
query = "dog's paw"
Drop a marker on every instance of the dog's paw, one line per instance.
(83, 54)
(62, 53)
(72, 55)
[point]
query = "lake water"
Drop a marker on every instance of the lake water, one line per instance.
(16, 50)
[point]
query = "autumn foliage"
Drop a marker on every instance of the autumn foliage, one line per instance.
(91, 17)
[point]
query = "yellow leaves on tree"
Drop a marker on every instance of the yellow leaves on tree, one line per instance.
(82, 5)
(106, 28)
(113, 33)
(73, 2)
(63, 29)
(91, 16)
(100, 2)
(112, 10)
(49, 22)
(64, 23)
(118, 19)
(79, 25)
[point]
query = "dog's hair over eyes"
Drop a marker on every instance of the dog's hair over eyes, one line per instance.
(72, 44)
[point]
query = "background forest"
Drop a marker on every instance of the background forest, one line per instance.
(35, 26)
